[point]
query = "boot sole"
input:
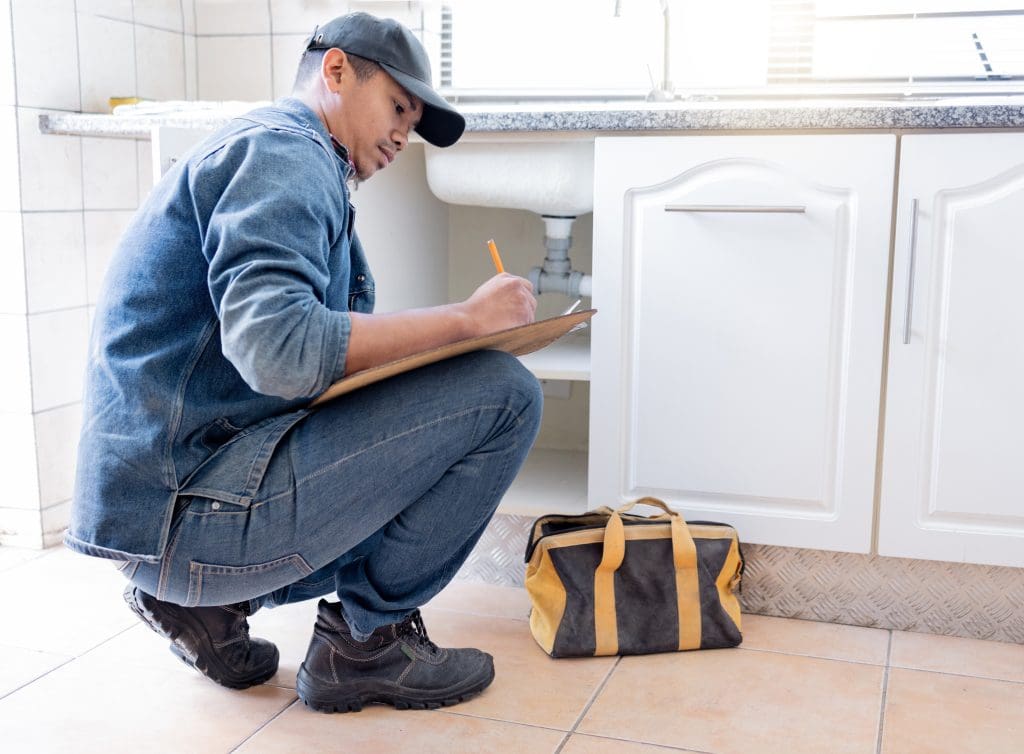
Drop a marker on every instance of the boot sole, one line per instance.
(190, 643)
(353, 695)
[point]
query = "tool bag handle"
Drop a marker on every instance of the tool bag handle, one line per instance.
(684, 558)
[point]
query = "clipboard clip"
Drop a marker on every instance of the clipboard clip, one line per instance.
(570, 310)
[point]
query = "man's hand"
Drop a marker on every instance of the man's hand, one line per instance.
(502, 302)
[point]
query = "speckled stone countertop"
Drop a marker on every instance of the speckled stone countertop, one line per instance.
(993, 112)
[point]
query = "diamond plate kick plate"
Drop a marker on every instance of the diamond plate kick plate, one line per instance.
(952, 599)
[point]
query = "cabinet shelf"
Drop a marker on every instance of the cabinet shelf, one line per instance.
(551, 481)
(565, 359)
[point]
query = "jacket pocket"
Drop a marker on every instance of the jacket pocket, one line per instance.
(212, 584)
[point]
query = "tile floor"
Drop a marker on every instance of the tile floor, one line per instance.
(78, 672)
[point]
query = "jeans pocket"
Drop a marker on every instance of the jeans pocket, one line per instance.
(212, 584)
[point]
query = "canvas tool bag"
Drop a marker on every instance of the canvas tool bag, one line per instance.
(609, 582)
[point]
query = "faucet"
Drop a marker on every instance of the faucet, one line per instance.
(664, 92)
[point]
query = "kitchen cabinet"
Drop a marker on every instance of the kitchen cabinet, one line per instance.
(953, 462)
(737, 354)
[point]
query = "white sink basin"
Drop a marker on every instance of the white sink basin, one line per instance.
(546, 177)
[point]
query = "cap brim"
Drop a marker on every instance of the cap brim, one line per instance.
(442, 125)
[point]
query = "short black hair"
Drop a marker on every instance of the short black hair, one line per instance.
(312, 60)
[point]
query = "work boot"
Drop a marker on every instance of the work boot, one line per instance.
(398, 665)
(213, 640)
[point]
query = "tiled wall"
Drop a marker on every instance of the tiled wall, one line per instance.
(65, 200)
(248, 49)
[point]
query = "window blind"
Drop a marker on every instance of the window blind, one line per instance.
(940, 44)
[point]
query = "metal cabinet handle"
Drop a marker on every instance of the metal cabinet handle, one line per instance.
(794, 209)
(909, 311)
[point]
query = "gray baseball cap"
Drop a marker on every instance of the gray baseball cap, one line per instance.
(395, 49)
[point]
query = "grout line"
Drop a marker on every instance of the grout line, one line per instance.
(38, 677)
(456, 713)
(66, 662)
(811, 657)
(563, 742)
(885, 693)
(593, 697)
(665, 747)
(265, 724)
(955, 674)
(270, 20)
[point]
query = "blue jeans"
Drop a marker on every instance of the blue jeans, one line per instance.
(379, 496)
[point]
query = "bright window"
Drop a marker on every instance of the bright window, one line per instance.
(732, 47)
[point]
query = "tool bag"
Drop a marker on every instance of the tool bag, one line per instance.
(608, 582)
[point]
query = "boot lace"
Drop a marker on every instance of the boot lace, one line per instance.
(413, 627)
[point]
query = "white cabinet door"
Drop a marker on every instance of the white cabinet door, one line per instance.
(740, 283)
(953, 463)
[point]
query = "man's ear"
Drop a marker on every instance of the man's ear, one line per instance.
(335, 65)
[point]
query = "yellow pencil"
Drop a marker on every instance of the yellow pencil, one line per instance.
(495, 257)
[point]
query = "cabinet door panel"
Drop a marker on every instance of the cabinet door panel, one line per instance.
(746, 285)
(953, 471)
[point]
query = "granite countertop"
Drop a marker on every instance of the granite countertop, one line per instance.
(992, 112)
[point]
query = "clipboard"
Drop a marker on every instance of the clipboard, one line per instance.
(517, 341)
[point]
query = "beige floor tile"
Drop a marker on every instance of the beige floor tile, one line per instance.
(951, 654)
(580, 744)
(814, 639)
(484, 599)
(15, 556)
(382, 730)
(90, 704)
(64, 602)
(19, 666)
(932, 713)
(290, 628)
(529, 687)
(736, 700)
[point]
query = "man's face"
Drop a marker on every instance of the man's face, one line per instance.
(372, 118)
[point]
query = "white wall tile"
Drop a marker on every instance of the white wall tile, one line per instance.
(120, 10)
(10, 183)
(21, 528)
(191, 69)
(163, 14)
(45, 6)
(160, 61)
(6, 55)
(57, 433)
(51, 166)
(300, 16)
(232, 17)
(12, 265)
(103, 231)
(287, 51)
(235, 68)
(144, 150)
(58, 342)
(188, 13)
(18, 461)
(107, 56)
(54, 260)
(46, 55)
(15, 377)
(110, 176)
(55, 520)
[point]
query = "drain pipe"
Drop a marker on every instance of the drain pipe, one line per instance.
(556, 275)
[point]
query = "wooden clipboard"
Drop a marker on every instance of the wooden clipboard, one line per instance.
(516, 341)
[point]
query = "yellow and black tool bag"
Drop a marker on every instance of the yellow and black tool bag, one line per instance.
(607, 582)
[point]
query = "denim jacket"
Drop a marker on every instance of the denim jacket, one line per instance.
(224, 310)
